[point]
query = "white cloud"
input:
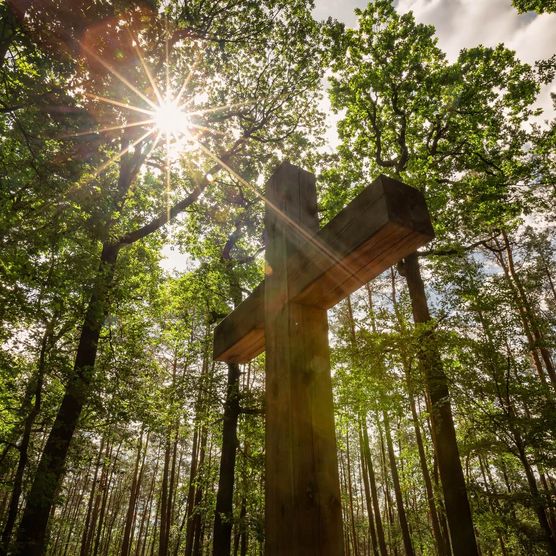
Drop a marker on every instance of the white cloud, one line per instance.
(342, 11)
(467, 23)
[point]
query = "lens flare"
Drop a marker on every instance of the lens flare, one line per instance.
(171, 119)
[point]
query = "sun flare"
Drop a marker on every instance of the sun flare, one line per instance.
(175, 120)
(170, 119)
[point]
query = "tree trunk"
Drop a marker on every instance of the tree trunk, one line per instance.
(87, 530)
(105, 496)
(164, 506)
(443, 547)
(194, 523)
(537, 502)
(367, 487)
(535, 337)
(146, 517)
(374, 491)
(31, 537)
(350, 498)
(406, 536)
(388, 509)
(172, 485)
(223, 519)
(64, 518)
(197, 524)
(17, 487)
(191, 489)
(74, 516)
(492, 501)
(126, 541)
(458, 510)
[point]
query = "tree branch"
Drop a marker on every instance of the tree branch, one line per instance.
(458, 250)
(167, 216)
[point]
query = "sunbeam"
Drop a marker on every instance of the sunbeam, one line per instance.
(118, 75)
(119, 155)
(175, 119)
(145, 67)
(170, 119)
(281, 214)
(108, 128)
(119, 103)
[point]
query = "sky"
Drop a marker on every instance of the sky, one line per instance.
(466, 23)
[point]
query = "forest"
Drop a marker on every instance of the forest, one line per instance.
(136, 139)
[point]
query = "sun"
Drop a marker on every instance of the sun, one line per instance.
(174, 120)
(170, 119)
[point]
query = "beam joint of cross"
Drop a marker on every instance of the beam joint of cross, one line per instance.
(387, 221)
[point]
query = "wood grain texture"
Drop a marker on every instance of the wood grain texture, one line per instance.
(387, 221)
(302, 510)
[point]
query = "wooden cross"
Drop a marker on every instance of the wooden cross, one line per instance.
(308, 271)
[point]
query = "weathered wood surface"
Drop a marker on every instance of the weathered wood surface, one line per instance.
(303, 509)
(387, 221)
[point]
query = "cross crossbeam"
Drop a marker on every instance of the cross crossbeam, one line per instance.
(387, 221)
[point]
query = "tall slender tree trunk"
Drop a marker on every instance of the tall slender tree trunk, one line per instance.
(350, 498)
(198, 525)
(126, 540)
(374, 491)
(31, 537)
(74, 516)
(549, 492)
(344, 493)
(86, 537)
(164, 507)
(535, 337)
(406, 535)
(111, 467)
(223, 519)
(146, 518)
(17, 487)
(99, 498)
(388, 510)
(492, 501)
(195, 522)
(190, 507)
(200, 437)
(442, 544)
(172, 485)
(458, 510)
(537, 503)
(115, 505)
(244, 533)
(137, 494)
(64, 518)
(367, 487)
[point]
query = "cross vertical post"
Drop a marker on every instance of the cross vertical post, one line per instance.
(303, 509)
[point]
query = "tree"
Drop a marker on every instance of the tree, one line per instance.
(539, 6)
(411, 114)
(274, 110)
